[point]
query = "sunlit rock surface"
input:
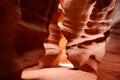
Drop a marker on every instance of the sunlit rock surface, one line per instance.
(51, 43)
(58, 73)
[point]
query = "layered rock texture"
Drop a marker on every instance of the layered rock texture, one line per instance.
(109, 68)
(30, 35)
(85, 26)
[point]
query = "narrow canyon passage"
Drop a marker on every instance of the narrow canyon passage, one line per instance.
(65, 70)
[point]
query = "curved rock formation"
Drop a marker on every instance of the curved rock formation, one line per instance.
(85, 25)
(51, 43)
(109, 69)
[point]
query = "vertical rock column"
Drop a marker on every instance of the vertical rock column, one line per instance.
(10, 14)
(24, 26)
(85, 27)
(32, 29)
